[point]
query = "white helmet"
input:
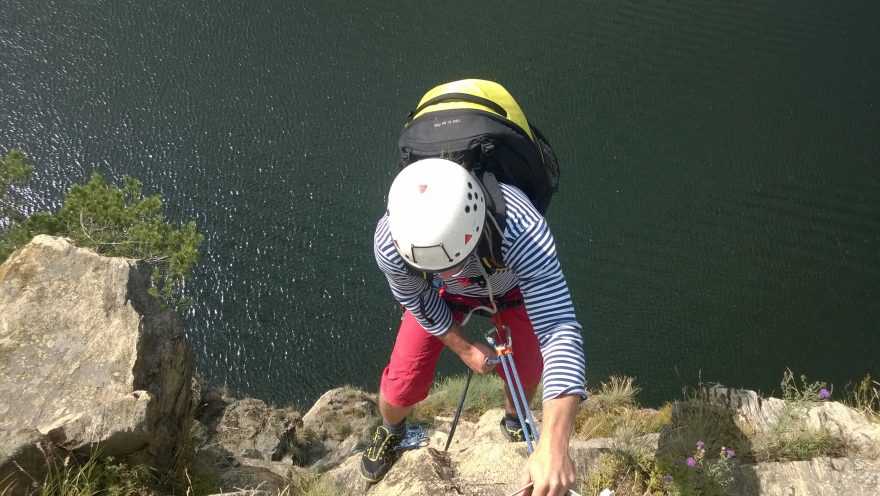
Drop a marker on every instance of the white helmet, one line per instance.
(436, 214)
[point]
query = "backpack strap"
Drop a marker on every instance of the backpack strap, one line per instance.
(489, 249)
(498, 109)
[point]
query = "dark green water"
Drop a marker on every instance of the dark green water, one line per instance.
(720, 208)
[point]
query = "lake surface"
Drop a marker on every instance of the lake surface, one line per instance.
(718, 217)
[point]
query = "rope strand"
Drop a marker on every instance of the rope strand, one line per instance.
(494, 308)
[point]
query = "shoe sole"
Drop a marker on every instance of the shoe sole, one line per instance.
(371, 481)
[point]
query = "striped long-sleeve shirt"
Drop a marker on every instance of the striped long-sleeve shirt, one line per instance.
(529, 250)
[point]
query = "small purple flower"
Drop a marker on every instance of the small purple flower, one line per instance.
(824, 394)
(700, 444)
(730, 453)
(691, 462)
(668, 478)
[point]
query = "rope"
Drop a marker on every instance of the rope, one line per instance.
(416, 436)
(494, 308)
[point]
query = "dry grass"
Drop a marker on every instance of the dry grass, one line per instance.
(484, 392)
(797, 442)
(633, 474)
(618, 392)
(865, 397)
(629, 466)
(312, 485)
(612, 407)
(6, 485)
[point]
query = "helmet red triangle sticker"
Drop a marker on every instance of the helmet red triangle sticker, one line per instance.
(467, 237)
(422, 188)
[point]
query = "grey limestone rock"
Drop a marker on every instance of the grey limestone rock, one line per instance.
(249, 428)
(88, 360)
(817, 477)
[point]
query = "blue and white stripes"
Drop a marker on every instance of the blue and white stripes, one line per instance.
(530, 252)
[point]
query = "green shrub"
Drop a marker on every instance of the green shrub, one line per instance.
(15, 172)
(113, 221)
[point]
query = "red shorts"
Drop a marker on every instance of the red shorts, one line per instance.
(410, 372)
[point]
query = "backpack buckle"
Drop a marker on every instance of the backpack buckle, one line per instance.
(486, 148)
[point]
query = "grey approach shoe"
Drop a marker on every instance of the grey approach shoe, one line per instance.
(379, 455)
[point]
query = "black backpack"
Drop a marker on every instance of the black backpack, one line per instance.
(479, 125)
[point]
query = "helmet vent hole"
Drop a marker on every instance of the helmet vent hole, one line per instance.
(470, 186)
(458, 254)
(470, 197)
(477, 229)
(467, 209)
(475, 207)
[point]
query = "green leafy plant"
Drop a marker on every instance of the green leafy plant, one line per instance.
(699, 473)
(790, 438)
(803, 392)
(113, 221)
